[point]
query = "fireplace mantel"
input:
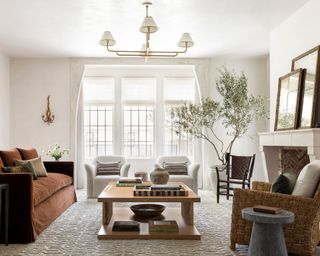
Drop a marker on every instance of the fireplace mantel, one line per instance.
(270, 142)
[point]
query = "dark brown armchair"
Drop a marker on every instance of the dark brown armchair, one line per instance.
(238, 171)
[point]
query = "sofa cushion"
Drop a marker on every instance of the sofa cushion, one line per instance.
(101, 181)
(187, 180)
(308, 180)
(29, 153)
(8, 156)
(176, 168)
(37, 165)
(285, 183)
(44, 187)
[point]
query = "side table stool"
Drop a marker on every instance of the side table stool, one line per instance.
(267, 235)
(4, 188)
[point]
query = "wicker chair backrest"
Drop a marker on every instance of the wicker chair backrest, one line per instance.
(317, 194)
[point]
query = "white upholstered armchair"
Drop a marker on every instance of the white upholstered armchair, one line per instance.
(190, 179)
(96, 183)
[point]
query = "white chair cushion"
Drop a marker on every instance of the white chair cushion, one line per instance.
(308, 180)
(100, 182)
(188, 180)
(168, 159)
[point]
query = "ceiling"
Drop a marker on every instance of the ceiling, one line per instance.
(72, 28)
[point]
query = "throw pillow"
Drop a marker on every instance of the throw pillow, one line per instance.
(1, 165)
(108, 168)
(28, 154)
(37, 165)
(9, 155)
(284, 183)
(308, 180)
(27, 167)
(176, 168)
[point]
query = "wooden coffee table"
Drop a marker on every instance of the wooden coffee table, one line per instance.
(183, 214)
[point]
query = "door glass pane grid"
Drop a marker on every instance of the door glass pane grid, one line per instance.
(138, 131)
(176, 144)
(98, 130)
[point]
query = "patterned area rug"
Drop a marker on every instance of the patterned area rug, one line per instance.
(75, 233)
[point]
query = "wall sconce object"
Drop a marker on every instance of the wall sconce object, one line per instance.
(48, 116)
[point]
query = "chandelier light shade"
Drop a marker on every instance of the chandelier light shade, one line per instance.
(107, 39)
(148, 27)
(186, 41)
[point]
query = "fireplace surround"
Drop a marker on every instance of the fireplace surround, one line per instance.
(275, 148)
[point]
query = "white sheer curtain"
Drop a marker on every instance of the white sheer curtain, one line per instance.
(80, 142)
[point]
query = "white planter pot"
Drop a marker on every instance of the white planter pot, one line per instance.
(213, 178)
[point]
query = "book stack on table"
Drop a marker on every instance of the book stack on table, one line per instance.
(126, 226)
(163, 226)
(267, 209)
(160, 190)
(129, 181)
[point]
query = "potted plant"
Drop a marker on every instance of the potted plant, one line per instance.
(56, 151)
(236, 111)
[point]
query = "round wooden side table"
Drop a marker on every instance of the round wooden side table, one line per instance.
(267, 235)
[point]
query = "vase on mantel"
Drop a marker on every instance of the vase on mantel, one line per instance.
(159, 176)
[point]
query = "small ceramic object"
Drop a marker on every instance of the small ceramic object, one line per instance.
(159, 176)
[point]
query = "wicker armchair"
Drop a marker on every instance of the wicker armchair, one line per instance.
(302, 236)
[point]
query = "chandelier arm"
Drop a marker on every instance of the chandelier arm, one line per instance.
(143, 55)
(144, 52)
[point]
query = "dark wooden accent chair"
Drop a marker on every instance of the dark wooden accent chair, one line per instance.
(238, 171)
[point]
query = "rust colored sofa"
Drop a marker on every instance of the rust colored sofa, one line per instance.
(35, 204)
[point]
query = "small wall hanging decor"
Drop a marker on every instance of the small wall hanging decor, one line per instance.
(48, 116)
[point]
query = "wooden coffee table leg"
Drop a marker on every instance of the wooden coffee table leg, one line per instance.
(107, 211)
(187, 212)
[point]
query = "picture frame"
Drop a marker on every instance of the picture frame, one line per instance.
(288, 99)
(309, 114)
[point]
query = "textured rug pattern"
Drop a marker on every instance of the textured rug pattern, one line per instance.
(75, 233)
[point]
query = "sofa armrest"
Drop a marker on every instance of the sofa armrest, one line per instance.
(193, 170)
(20, 206)
(124, 172)
(261, 186)
(91, 171)
(63, 167)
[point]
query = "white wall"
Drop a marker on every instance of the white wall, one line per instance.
(293, 37)
(4, 101)
(32, 80)
(256, 70)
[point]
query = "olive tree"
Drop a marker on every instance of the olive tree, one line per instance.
(236, 111)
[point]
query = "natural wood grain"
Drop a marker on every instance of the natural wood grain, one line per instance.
(183, 215)
(112, 193)
(187, 212)
(186, 232)
(107, 211)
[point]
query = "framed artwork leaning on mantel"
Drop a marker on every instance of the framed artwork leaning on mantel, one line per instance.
(288, 100)
(309, 113)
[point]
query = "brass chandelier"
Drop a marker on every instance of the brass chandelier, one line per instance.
(148, 26)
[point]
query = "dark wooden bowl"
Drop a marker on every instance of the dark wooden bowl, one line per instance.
(147, 210)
